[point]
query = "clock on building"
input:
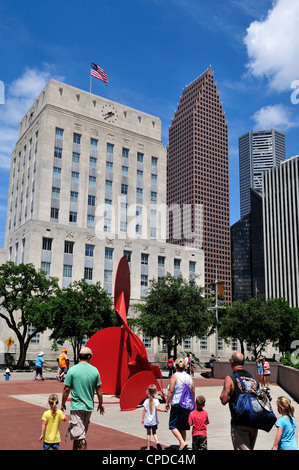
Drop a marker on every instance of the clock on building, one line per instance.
(109, 113)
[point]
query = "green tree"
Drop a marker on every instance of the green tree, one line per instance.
(288, 330)
(173, 310)
(254, 322)
(80, 310)
(26, 295)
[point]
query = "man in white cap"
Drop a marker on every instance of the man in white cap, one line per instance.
(82, 380)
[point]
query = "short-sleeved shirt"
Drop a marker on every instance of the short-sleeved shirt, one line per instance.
(151, 418)
(199, 420)
(83, 378)
(52, 434)
(288, 426)
(39, 361)
(63, 360)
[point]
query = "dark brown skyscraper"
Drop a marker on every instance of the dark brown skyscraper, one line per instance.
(198, 178)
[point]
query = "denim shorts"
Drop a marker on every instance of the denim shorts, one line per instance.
(48, 446)
(178, 418)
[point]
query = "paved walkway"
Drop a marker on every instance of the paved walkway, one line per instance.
(23, 401)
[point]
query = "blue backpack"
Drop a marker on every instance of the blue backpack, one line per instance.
(253, 408)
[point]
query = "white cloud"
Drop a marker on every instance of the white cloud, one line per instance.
(276, 116)
(19, 96)
(273, 45)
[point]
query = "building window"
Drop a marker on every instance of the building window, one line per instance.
(54, 213)
(35, 339)
(139, 157)
(59, 133)
(68, 247)
(93, 162)
(124, 170)
(76, 138)
(144, 280)
(108, 185)
(203, 343)
(90, 220)
(56, 193)
(91, 200)
(139, 193)
(93, 143)
(139, 175)
(56, 172)
(74, 196)
(88, 274)
(57, 152)
(154, 178)
(47, 244)
(109, 167)
(127, 255)
(153, 196)
(125, 152)
(161, 261)
(76, 157)
(144, 259)
(89, 249)
(73, 216)
(124, 189)
(92, 181)
(75, 176)
(108, 253)
(45, 266)
(177, 264)
(107, 275)
(147, 341)
(67, 270)
(154, 161)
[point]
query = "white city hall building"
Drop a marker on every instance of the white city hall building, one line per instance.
(87, 186)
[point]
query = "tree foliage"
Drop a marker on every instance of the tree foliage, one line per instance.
(173, 310)
(80, 310)
(26, 295)
(258, 322)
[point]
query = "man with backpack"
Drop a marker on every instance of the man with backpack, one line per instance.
(243, 436)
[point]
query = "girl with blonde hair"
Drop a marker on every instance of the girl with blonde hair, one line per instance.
(285, 437)
(150, 418)
(50, 427)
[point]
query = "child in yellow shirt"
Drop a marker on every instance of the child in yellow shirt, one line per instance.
(50, 427)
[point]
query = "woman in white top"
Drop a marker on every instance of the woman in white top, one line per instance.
(178, 419)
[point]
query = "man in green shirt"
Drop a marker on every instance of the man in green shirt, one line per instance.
(82, 381)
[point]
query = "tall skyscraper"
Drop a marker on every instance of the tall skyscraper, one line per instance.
(198, 178)
(259, 151)
(281, 231)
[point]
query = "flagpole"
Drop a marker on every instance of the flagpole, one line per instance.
(90, 77)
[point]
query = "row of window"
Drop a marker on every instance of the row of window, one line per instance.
(93, 146)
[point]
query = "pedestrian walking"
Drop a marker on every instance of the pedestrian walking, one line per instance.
(170, 366)
(150, 416)
(199, 420)
(243, 437)
(63, 365)
(285, 437)
(82, 381)
(51, 420)
(260, 370)
(39, 366)
(266, 372)
(178, 419)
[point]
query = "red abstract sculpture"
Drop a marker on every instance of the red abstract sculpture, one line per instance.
(119, 355)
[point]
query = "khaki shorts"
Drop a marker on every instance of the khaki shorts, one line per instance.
(79, 422)
(243, 437)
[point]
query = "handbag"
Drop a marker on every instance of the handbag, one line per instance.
(253, 409)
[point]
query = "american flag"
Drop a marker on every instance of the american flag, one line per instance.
(99, 73)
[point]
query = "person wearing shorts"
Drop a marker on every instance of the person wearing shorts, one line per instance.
(178, 419)
(82, 381)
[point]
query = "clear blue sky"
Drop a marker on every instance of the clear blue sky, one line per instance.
(152, 49)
